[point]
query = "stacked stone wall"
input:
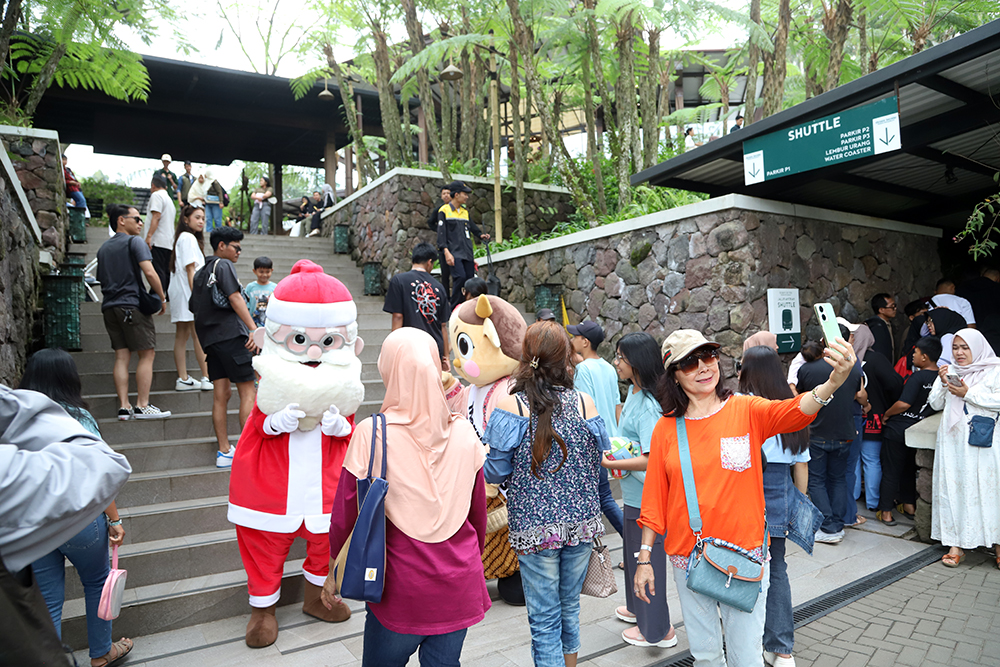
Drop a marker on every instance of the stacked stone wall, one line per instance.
(711, 273)
(37, 159)
(19, 281)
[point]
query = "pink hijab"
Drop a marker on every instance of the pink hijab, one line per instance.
(434, 454)
(761, 339)
(983, 359)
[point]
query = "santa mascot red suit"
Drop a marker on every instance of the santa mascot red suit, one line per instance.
(289, 457)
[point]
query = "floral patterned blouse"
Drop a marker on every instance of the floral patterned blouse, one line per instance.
(561, 507)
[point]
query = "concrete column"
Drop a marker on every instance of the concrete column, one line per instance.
(276, 211)
(330, 160)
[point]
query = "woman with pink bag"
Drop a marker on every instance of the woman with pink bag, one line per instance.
(53, 372)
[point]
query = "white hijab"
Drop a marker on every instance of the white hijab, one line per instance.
(983, 360)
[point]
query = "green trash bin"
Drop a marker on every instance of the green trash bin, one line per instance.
(74, 265)
(62, 310)
(77, 224)
(342, 239)
(373, 279)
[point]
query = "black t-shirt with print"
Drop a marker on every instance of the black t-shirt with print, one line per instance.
(915, 393)
(422, 302)
(211, 323)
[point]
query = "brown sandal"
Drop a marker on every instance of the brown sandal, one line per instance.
(952, 560)
(120, 649)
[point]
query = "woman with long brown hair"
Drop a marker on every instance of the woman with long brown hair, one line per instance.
(187, 257)
(546, 441)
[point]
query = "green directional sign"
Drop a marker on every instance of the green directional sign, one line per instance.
(856, 133)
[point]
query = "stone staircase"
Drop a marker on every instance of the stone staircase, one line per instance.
(181, 553)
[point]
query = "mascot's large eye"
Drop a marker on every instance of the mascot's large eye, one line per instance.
(300, 339)
(328, 341)
(465, 346)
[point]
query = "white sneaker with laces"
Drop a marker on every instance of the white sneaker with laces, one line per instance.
(151, 412)
(225, 460)
(775, 660)
(189, 384)
(829, 538)
(206, 385)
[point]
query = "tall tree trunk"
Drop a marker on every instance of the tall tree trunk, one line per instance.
(647, 102)
(468, 144)
(604, 90)
(481, 112)
(416, 34)
(774, 63)
(9, 24)
(391, 122)
(518, 139)
(750, 95)
(592, 153)
(836, 26)
(365, 167)
(557, 110)
(525, 41)
(663, 106)
(625, 96)
(863, 41)
(44, 78)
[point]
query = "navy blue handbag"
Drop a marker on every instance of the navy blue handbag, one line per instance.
(981, 429)
(364, 567)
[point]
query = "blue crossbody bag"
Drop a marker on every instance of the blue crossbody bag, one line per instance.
(718, 569)
(361, 574)
(981, 429)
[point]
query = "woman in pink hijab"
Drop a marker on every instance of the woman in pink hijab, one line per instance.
(436, 510)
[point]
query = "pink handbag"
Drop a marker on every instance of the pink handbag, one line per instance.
(114, 590)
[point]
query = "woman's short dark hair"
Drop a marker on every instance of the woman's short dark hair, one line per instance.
(931, 346)
(812, 350)
(474, 287)
(53, 372)
(674, 400)
(643, 354)
(761, 374)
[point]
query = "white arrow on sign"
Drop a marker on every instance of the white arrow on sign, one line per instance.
(753, 167)
(885, 133)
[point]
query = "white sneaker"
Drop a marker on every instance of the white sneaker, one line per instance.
(829, 538)
(622, 613)
(151, 412)
(775, 660)
(225, 460)
(186, 385)
(634, 637)
(206, 385)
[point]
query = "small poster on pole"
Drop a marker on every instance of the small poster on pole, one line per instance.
(783, 318)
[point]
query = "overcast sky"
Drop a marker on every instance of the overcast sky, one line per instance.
(218, 46)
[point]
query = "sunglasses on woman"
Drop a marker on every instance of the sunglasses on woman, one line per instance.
(689, 364)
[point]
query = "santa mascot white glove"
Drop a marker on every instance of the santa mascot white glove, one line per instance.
(285, 420)
(334, 424)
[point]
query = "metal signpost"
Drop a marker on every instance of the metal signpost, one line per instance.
(856, 133)
(783, 318)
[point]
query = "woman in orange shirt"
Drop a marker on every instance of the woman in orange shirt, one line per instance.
(725, 433)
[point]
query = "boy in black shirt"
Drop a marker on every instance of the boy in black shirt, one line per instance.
(899, 468)
(417, 300)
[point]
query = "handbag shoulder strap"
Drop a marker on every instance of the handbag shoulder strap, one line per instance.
(378, 420)
(687, 472)
(114, 557)
(965, 409)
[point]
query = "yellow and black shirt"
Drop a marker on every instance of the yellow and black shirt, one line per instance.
(454, 231)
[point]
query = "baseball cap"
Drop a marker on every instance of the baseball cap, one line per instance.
(166, 156)
(850, 327)
(592, 331)
(681, 343)
(458, 186)
(545, 314)
(186, 162)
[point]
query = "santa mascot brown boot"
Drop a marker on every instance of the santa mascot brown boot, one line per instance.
(313, 606)
(262, 630)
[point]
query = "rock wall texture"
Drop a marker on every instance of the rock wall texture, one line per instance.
(712, 272)
(38, 163)
(390, 219)
(18, 284)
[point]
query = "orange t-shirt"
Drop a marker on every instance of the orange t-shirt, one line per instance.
(725, 457)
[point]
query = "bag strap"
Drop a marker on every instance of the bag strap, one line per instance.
(377, 420)
(583, 405)
(965, 409)
(114, 557)
(687, 472)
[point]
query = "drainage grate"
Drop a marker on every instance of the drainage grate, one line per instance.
(819, 607)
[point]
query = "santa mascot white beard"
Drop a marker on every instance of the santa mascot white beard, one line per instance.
(284, 378)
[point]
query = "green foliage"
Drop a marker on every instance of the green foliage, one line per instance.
(473, 167)
(981, 227)
(99, 187)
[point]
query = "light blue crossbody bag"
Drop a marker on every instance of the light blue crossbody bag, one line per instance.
(722, 571)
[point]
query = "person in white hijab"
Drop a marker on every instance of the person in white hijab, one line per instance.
(965, 512)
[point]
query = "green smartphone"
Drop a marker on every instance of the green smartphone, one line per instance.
(828, 321)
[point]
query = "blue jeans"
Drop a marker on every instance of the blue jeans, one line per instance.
(213, 217)
(608, 504)
(78, 199)
(552, 582)
(871, 453)
(850, 514)
(779, 626)
(385, 648)
(827, 480)
(88, 551)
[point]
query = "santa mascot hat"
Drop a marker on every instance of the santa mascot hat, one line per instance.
(307, 297)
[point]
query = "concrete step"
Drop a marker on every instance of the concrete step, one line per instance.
(170, 455)
(101, 382)
(178, 484)
(178, 402)
(370, 316)
(174, 427)
(95, 342)
(160, 521)
(189, 557)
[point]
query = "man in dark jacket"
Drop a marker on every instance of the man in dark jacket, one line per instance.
(454, 239)
(884, 307)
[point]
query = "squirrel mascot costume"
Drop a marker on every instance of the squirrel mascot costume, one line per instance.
(486, 337)
(289, 456)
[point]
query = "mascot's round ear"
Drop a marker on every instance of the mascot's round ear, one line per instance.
(258, 337)
(359, 345)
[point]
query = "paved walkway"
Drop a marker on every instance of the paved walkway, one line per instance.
(935, 617)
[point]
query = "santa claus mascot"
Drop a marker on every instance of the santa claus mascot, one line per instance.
(289, 457)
